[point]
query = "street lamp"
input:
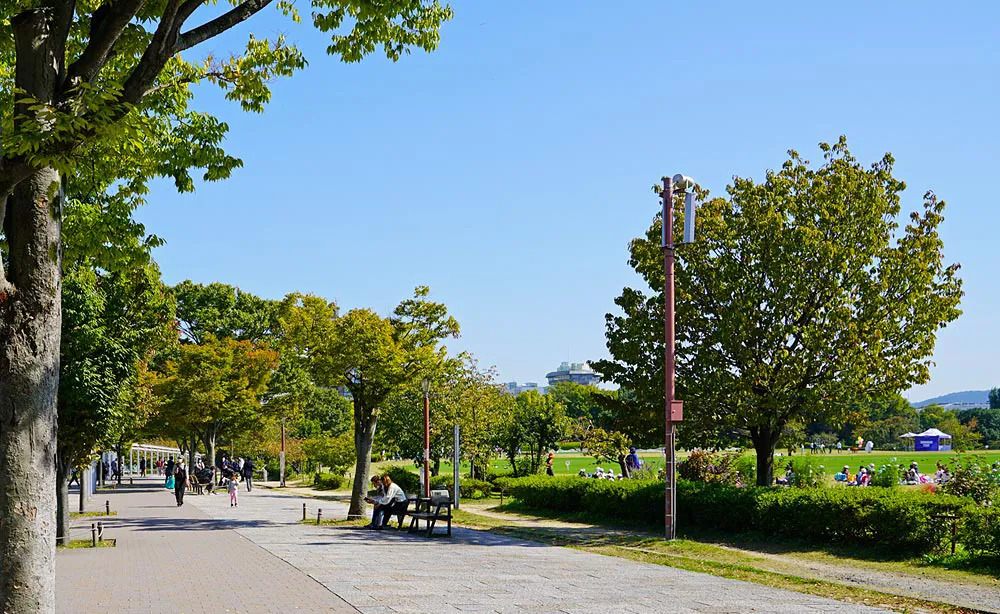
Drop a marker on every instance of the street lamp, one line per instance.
(426, 386)
(674, 409)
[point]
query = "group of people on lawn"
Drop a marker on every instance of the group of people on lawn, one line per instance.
(912, 475)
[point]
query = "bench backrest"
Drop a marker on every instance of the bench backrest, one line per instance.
(440, 497)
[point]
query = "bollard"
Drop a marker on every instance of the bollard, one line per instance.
(100, 532)
(93, 535)
(319, 516)
(303, 511)
(130, 482)
(107, 508)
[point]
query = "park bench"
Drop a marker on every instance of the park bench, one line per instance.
(430, 510)
(401, 514)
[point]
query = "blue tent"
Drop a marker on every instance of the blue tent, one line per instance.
(931, 440)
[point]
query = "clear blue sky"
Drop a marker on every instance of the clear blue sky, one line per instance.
(509, 169)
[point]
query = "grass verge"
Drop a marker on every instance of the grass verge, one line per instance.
(91, 514)
(86, 543)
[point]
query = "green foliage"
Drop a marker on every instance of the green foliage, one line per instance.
(973, 476)
(807, 472)
(223, 311)
(779, 318)
(570, 445)
(979, 530)
(471, 489)
(605, 446)
(889, 475)
(701, 466)
(112, 323)
(987, 424)
(893, 520)
(533, 427)
(335, 453)
(407, 480)
(328, 481)
(580, 401)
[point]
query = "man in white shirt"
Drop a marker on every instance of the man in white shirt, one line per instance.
(392, 502)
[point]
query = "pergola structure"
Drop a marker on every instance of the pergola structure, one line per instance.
(151, 453)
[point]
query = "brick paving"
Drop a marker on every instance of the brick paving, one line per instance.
(174, 560)
(475, 571)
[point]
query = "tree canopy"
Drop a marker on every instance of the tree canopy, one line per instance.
(801, 295)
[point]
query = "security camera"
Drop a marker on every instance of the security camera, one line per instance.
(683, 183)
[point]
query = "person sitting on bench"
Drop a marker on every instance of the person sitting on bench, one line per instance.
(392, 502)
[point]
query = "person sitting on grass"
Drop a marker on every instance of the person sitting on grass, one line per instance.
(392, 502)
(789, 477)
(844, 475)
(913, 474)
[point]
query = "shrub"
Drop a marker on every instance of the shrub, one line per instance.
(407, 480)
(493, 475)
(471, 489)
(979, 530)
(887, 476)
(890, 519)
(972, 476)
(703, 466)
(327, 481)
(808, 472)
(569, 445)
(746, 467)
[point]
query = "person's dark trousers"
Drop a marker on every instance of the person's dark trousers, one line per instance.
(179, 494)
(391, 510)
(249, 480)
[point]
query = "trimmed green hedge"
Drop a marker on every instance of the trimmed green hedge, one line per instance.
(889, 519)
(471, 489)
(979, 530)
(327, 481)
(407, 480)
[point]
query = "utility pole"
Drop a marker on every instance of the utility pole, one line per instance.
(282, 453)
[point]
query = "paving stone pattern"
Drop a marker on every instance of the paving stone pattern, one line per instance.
(475, 571)
(178, 560)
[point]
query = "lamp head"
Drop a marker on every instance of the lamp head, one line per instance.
(683, 183)
(425, 384)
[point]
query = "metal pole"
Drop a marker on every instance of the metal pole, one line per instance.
(455, 468)
(427, 444)
(282, 452)
(670, 516)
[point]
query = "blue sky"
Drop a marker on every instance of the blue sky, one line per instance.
(509, 169)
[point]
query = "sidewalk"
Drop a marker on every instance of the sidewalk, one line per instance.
(476, 571)
(178, 561)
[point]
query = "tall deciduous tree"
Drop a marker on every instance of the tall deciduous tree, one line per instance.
(80, 73)
(532, 428)
(373, 357)
(215, 388)
(112, 323)
(800, 296)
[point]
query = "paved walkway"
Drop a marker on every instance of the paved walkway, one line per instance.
(476, 571)
(175, 560)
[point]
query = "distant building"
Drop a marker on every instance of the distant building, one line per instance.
(515, 388)
(577, 372)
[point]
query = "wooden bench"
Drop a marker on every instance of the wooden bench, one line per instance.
(401, 514)
(430, 511)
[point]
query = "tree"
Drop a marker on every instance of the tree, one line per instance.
(112, 324)
(963, 435)
(80, 77)
(579, 400)
(533, 427)
(373, 357)
(608, 446)
(216, 388)
(801, 296)
(223, 311)
(987, 423)
(995, 398)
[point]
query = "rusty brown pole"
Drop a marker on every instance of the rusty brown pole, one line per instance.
(427, 439)
(670, 495)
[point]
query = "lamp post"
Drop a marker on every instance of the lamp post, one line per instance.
(674, 409)
(282, 452)
(426, 385)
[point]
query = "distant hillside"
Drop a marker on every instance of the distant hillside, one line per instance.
(968, 396)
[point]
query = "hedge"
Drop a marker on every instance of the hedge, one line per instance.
(407, 480)
(890, 519)
(979, 530)
(471, 489)
(327, 481)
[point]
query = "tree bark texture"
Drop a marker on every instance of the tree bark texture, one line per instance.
(63, 472)
(364, 437)
(764, 441)
(30, 321)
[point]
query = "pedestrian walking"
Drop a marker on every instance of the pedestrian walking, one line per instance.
(248, 474)
(170, 466)
(180, 483)
(234, 500)
(142, 467)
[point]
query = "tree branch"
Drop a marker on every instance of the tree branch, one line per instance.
(106, 26)
(161, 48)
(220, 24)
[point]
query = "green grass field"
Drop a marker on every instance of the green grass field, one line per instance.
(570, 463)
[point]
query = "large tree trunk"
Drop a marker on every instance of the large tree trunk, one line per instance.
(191, 452)
(83, 499)
(62, 502)
(436, 467)
(764, 442)
(30, 321)
(364, 436)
